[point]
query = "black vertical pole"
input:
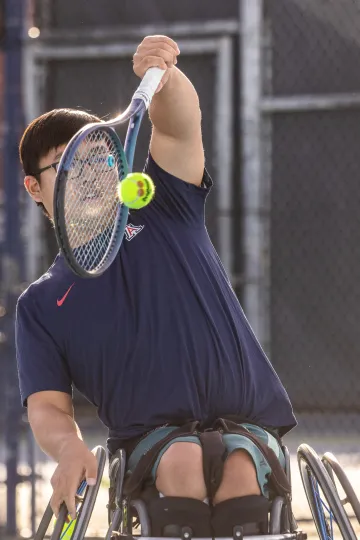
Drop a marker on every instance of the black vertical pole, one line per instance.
(12, 254)
(32, 462)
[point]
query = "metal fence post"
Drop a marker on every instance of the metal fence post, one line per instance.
(251, 14)
(223, 132)
(12, 253)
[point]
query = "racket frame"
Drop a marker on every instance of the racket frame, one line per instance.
(135, 113)
(59, 200)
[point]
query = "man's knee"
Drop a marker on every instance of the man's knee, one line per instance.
(180, 472)
(239, 478)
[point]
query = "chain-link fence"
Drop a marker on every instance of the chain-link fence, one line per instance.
(311, 98)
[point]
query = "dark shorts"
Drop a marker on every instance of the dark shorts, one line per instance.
(232, 442)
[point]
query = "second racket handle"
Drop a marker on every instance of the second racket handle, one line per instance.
(148, 85)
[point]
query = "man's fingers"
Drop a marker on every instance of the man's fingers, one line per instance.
(91, 469)
(145, 48)
(71, 505)
(55, 503)
(167, 56)
(148, 62)
(69, 500)
(156, 51)
(163, 39)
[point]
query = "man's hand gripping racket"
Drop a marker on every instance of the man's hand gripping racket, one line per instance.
(89, 211)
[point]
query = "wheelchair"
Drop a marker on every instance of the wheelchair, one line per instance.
(126, 515)
(328, 491)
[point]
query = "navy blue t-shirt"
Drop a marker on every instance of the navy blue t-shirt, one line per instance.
(160, 336)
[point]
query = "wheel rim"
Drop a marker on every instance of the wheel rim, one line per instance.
(326, 522)
(342, 484)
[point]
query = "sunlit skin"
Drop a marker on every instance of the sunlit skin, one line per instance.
(44, 193)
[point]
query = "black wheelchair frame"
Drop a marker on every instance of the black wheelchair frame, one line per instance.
(122, 511)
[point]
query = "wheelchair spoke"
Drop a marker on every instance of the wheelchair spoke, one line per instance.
(321, 504)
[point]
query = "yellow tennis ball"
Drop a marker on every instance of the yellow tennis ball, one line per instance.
(136, 190)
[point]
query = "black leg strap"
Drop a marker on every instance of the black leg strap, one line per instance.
(214, 455)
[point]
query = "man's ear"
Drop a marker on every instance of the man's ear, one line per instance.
(32, 186)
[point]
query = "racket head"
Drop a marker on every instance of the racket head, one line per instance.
(89, 219)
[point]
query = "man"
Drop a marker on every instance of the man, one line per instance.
(157, 339)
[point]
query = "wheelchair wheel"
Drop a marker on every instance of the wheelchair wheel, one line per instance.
(86, 496)
(326, 508)
(337, 473)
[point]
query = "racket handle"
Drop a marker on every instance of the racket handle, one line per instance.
(148, 85)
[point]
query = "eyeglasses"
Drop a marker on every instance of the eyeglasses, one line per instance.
(52, 166)
(98, 164)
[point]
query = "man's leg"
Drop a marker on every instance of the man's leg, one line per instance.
(239, 478)
(180, 472)
(238, 501)
(179, 479)
(242, 497)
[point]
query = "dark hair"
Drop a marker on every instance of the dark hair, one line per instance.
(49, 131)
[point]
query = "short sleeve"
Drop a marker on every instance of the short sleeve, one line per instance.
(41, 365)
(179, 200)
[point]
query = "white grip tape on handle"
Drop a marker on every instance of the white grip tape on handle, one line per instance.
(149, 85)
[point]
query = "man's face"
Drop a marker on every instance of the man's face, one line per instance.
(90, 200)
(43, 192)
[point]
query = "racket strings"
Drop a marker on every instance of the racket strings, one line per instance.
(91, 201)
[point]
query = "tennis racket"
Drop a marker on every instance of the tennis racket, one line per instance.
(89, 218)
